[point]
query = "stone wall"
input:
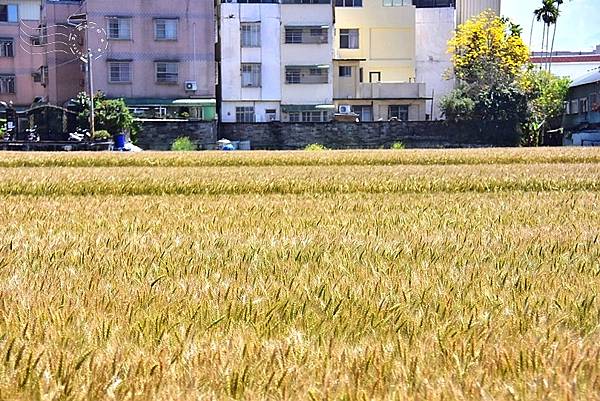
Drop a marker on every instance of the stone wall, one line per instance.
(339, 135)
(160, 134)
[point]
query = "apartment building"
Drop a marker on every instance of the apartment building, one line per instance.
(160, 55)
(21, 67)
(276, 60)
(375, 60)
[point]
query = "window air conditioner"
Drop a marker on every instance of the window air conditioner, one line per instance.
(191, 86)
(345, 109)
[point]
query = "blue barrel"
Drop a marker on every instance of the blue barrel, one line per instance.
(120, 141)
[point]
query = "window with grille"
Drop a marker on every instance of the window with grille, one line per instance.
(165, 29)
(306, 35)
(396, 3)
(167, 72)
(7, 84)
(7, 48)
(251, 73)
(314, 116)
(244, 114)
(348, 3)
(250, 34)
(119, 28)
(119, 72)
(307, 75)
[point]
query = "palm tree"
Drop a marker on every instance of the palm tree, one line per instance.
(548, 13)
(558, 4)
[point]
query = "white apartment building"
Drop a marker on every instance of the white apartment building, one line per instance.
(276, 60)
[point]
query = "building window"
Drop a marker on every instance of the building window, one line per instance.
(167, 72)
(250, 34)
(7, 84)
(396, 3)
(119, 28)
(398, 112)
(306, 35)
(119, 72)
(583, 105)
(345, 71)
(7, 48)
(9, 13)
(245, 115)
(365, 113)
(251, 74)
(307, 75)
(574, 106)
(348, 3)
(314, 116)
(433, 3)
(349, 38)
(165, 29)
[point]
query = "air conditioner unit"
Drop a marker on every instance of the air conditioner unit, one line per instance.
(191, 86)
(345, 109)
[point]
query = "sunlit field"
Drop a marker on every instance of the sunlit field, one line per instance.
(376, 275)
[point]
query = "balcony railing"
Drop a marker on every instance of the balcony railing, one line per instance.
(386, 90)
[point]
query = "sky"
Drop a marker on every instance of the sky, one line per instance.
(578, 26)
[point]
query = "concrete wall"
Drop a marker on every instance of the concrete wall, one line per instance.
(434, 28)
(196, 25)
(425, 134)
(160, 134)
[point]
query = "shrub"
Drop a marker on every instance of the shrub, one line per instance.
(101, 135)
(315, 147)
(398, 146)
(183, 144)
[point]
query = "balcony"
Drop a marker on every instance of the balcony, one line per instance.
(386, 90)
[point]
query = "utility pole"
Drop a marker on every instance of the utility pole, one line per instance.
(91, 79)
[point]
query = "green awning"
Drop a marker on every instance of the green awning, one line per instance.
(132, 102)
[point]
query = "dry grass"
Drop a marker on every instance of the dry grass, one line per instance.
(274, 280)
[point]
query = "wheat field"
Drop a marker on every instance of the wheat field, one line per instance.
(375, 275)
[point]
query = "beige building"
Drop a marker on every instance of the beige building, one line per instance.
(375, 61)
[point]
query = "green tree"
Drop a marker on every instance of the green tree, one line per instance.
(489, 55)
(111, 115)
(546, 94)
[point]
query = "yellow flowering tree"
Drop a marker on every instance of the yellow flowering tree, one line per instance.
(489, 56)
(488, 47)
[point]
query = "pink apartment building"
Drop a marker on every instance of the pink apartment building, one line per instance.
(157, 55)
(21, 69)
